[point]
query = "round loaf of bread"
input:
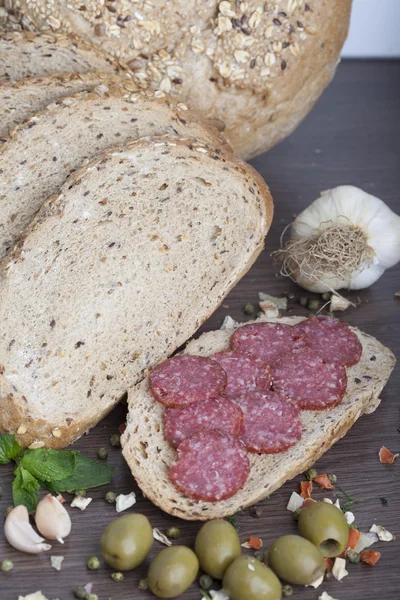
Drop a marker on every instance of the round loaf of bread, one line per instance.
(255, 68)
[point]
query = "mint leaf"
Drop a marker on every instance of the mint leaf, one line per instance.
(25, 489)
(88, 474)
(49, 465)
(9, 448)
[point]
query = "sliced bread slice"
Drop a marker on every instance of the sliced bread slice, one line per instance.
(42, 152)
(27, 54)
(149, 455)
(115, 273)
(22, 99)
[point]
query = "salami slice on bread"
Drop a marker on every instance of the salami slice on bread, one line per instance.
(150, 456)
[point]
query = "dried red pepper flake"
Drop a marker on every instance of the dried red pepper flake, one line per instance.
(306, 489)
(255, 543)
(370, 557)
(324, 482)
(386, 457)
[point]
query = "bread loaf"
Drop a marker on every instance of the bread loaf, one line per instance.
(256, 68)
(41, 153)
(115, 273)
(26, 54)
(149, 455)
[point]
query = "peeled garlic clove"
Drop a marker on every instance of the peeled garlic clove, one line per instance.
(52, 519)
(20, 533)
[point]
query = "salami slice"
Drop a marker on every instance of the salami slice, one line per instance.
(184, 379)
(312, 383)
(332, 340)
(221, 413)
(271, 424)
(245, 373)
(268, 341)
(211, 466)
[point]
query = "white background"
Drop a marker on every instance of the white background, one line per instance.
(374, 29)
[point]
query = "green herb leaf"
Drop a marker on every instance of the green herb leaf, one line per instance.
(49, 465)
(25, 489)
(348, 500)
(9, 448)
(232, 521)
(88, 474)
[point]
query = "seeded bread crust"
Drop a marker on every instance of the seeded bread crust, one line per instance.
(21, 100)
(149, 455)
(40, 154)
(27, 54)
(254, 67)
(117, 271)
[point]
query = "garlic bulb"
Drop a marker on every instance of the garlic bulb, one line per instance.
(20, 533)
(344, 239)
(52, 519)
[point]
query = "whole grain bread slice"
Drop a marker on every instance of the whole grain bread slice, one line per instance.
(40, 154)
(20, 100)
(27, 54)
(149, 455)
(115, 273)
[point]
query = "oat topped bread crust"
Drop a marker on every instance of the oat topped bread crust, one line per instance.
(256, 67)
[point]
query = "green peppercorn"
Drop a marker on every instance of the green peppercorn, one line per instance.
(249, 309)
(143, 585)
(303, 301)
(7, 565)
(206, 582)
(8, 510)
(117, 576)
(313, 304)
(287, 591)
(93, 563)
(80, 493)
(115, 440)
(259, 555)
(332, 478)
(326, 296)
(110, 497)
(311, 474)
(353, 556)
(173, 532)
(80, 593)
(102, 453)
(92, 597)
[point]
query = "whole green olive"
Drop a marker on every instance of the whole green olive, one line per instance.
(172, 571)
(217, 545)
(325, 526)
(249, 579)
(126, 542)
(295, 560)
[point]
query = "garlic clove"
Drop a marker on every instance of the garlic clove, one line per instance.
(52, 519)
(20, 533)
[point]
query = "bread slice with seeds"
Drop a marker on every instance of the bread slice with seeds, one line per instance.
(22, 99)
(26, 54)
(43, 151)
(116, 272)
(149, 455)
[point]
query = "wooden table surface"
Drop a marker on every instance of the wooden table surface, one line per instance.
(351, 137)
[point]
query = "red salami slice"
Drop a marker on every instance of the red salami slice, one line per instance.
(271, 424)
(211, 466)
(312, 383)
(181, 423)
(332, 340)
(184, 379)
(245, 373)
(268, 341)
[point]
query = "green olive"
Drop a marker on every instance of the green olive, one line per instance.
(296, 560)
(249, 579)
(126, 542)
(172, 571)
(325, 526)
(217, 545)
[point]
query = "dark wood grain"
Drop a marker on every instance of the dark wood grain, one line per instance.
(351, 137)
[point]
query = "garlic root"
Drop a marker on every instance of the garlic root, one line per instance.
(20, 533)
(52, 519)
